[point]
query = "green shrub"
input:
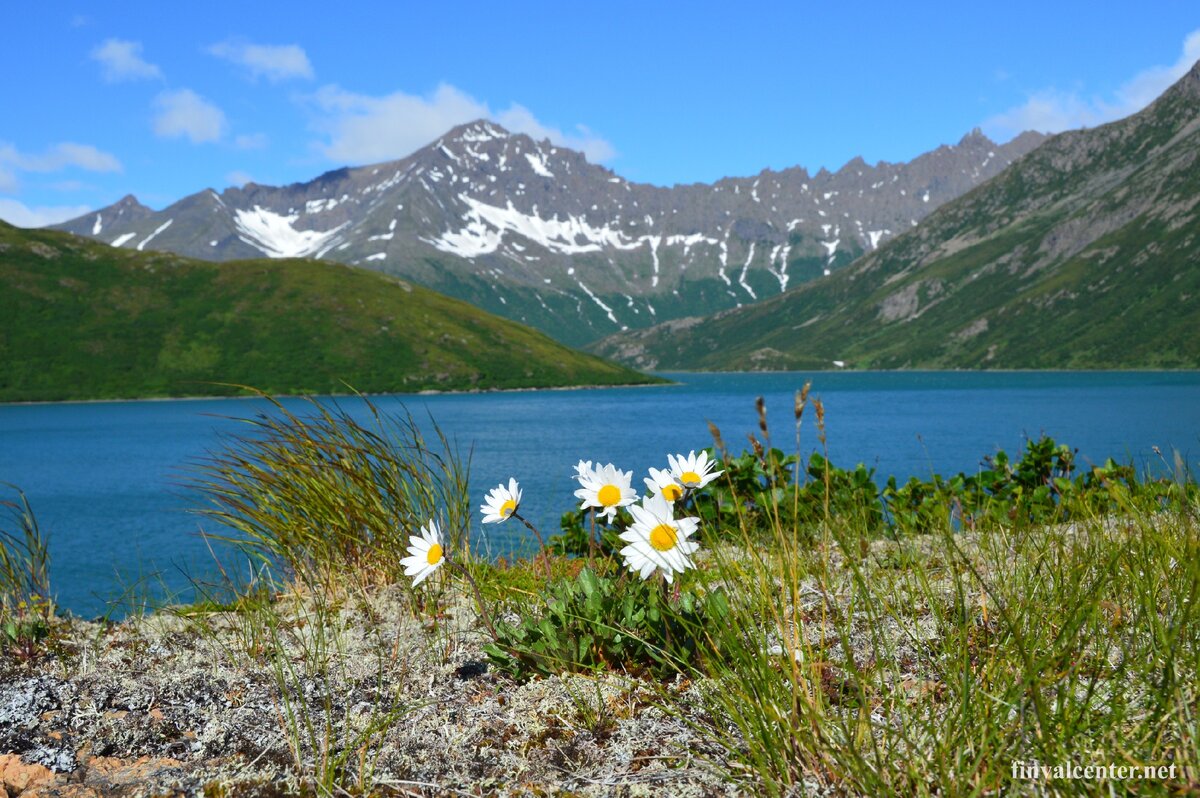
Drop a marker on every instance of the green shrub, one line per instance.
(602, 622)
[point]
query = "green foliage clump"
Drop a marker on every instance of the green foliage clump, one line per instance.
(600, 622)
(581, 535)
(1044, 486)
(758, 491)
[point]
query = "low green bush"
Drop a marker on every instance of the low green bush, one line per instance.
(599, 622)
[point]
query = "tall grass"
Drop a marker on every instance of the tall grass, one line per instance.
(24, 556)
(933, 664)
(26, 606)
(325, 503)
(332, 499)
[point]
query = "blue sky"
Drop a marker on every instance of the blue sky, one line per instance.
(161, 100)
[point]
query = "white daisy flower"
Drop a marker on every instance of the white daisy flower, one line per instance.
(606, 487)
(657, 541)
(661, 483)
(694, 471)
(501, 502)
(426, 553)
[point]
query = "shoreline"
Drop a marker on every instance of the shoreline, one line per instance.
(930, 371)
(426, 392)
(593, 387)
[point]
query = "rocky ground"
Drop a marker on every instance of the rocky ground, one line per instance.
(228, 704)
(364, 694)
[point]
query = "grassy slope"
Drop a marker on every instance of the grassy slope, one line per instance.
(81, 320)
(1084, 254)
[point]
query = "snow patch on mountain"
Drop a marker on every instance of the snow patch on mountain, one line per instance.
(150, 237)
(653, 241)
(742, 276)
(487, 224)
(598, 301)
(317, 206)
(273, 234)
(538, 163)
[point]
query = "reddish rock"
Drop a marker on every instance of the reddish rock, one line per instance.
(16, 777)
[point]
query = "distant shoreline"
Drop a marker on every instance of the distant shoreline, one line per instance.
(931, 371)
(668, 383)
(427, 392)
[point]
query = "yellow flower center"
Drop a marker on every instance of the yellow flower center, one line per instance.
(671, 492)
(508, 508)
(434, 555)
(663, 537)
(690, 478)
(609, 495)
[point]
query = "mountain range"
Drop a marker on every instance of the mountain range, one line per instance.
(536, 233)
(1085, 253)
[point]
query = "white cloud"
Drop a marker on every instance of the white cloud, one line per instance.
(63, 155)
(364, 129)
(238, 178)
(1052, 110)
(17, 213)
(183, 113)
(275, 62)
(250, 141)
(519, 119)
(122, 60)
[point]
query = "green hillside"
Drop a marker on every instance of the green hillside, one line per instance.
(82, 320)
(1083, 254)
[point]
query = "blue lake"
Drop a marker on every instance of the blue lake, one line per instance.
(104, 478)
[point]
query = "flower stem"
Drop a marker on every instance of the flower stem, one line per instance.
(484, 615)
(538, 535)
(592, 542)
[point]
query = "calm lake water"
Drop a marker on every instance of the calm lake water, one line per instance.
(103, 478)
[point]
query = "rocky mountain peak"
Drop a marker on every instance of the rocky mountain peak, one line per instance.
(1189, 83)
(129, 202)
(1084, 253)
(975, 138)
(476, 132)
(533, 230)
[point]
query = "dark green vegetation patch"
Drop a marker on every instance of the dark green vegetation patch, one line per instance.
(82, 320)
